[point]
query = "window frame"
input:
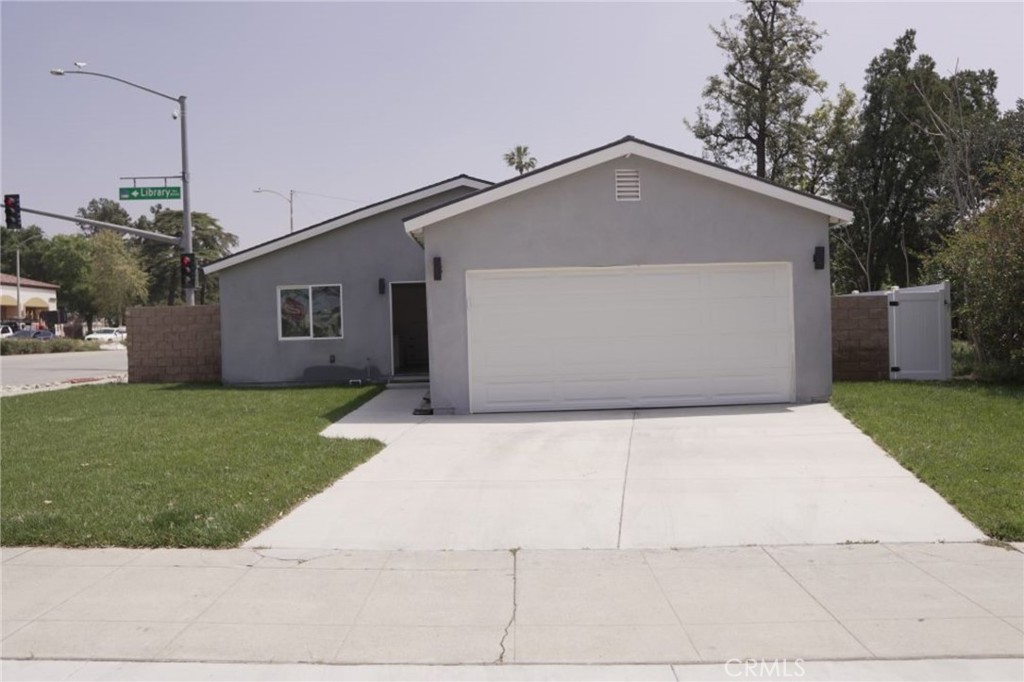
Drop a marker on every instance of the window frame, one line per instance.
(309, 312)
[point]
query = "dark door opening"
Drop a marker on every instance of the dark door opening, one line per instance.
(409, 327)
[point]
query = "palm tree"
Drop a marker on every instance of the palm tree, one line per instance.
(520, 159)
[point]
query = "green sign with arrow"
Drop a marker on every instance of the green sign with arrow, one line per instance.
(149, 193)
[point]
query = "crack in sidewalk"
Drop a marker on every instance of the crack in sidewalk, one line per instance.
(512, 618)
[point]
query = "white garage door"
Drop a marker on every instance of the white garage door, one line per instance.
(642, 336)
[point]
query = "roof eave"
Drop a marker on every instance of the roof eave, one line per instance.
(346, 219)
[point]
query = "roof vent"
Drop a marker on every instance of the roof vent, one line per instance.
(627, 184)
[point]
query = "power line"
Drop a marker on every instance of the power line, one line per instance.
(328, 196)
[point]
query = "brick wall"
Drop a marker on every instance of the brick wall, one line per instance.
(860, 338)
(174, 344)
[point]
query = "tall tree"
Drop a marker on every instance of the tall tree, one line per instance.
(32, 243)
(104, 210)
(832, 130)
(520, 159)
(116, 278)
(964, 126)
(68, 261)
(753, 114)
(210, 242)
(893, 173)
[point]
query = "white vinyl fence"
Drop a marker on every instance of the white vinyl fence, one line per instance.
(920, 335)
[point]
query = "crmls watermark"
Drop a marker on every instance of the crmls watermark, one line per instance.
(779, 668)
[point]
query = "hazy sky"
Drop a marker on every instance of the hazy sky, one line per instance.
(365, 101)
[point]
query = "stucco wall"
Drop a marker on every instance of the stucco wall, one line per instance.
(860, 338)
(172, 344)
(355, 256)
(575, 221)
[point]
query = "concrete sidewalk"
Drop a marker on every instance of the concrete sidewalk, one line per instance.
(951, 670)
(829, 602)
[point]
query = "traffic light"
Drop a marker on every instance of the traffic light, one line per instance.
(188, 271)
(12, 211)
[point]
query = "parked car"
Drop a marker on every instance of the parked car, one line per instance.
(6, 330)
(32, 334)
(108, 335)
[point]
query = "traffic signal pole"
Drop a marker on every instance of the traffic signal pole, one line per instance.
(186, 204)
(134, 231)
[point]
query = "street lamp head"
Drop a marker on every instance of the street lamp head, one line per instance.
(81, 65)
(57, 72)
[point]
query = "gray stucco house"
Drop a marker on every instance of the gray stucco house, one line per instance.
(340, 300)
(630, 275)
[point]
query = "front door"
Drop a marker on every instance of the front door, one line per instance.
(409, 327)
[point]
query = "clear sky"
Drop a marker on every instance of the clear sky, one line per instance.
(365, 101)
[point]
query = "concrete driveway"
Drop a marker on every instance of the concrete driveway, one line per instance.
(764, 475)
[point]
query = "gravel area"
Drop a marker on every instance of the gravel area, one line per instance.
(59, 385)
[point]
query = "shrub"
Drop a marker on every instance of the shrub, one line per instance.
(984, 262)
(29, 347)
(20, 347)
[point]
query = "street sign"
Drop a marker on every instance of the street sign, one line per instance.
(149, 193)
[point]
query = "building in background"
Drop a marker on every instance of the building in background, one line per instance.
(36, 298)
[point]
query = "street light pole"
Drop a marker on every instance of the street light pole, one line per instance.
(17, 281)
(17, 274)
(186, 199)
(291, 204)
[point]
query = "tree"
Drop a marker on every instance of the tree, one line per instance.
(115, 278)
(33, 243)
(961, 124)
(753, 114)
(520, 159)
(210, 242)
(985, 263)
(889, 173)
(68, 261)
(104, 210)
(831, 131)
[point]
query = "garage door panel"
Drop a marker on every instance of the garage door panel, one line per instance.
(756, 315)
(582, 338)
(742, 282)
(750, 386)
(658, 284)
(746, 352)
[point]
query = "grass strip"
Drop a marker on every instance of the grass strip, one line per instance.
(965, 439)
(150, 465)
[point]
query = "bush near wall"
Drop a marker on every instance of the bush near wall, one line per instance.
(984, 260)
(29, 347)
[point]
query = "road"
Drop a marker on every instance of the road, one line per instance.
(21, 370)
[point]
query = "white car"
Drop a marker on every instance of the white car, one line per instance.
(6, 330)
(108, 335)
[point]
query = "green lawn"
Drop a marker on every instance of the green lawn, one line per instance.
(143, 465)
(964, 439)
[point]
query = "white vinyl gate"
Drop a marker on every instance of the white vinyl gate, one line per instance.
(920, 345)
